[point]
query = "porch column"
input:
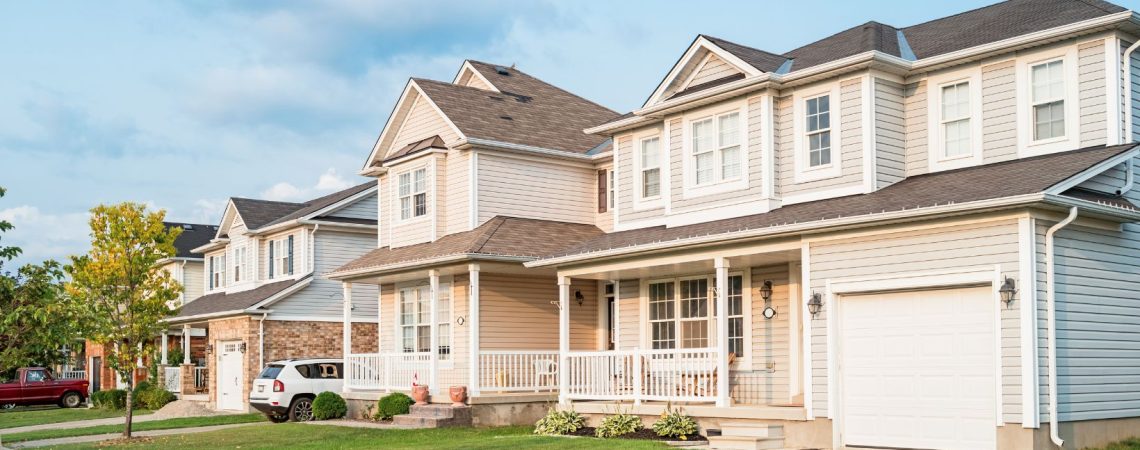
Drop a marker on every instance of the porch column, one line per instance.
(163, 347)
(563, 338)
(433, 297)
(473, 327)
(616, 325)
(346, 330)
(379, 318)
(185, 343)
(721, 264)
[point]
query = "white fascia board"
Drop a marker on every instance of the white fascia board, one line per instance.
(343, 202)
(421, 263)
(387, 125)
(214, 244)
(487, 143)
(413, 157)
(1093, 171)
(468, 67)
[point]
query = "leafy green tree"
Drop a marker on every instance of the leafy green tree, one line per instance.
(6, 253)
(125, 292)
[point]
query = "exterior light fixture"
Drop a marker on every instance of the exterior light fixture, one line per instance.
(242, 348)
(1008, 291)
(578, 296)
(209, 348)
(815, 304)
(766, 290)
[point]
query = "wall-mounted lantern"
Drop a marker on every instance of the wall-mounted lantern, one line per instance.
(1008, 291)
(766, 290)
(815, 304)
(579, 297)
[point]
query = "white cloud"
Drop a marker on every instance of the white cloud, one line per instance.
(282, 192)
(328, 182)
(43, 235)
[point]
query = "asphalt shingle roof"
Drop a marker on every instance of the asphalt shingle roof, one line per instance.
(261, 213)
(993, 181)
(528, 111)
(193, 235)
(222, 302)
(499, 236)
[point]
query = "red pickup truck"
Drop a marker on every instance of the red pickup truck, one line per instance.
(36, 386)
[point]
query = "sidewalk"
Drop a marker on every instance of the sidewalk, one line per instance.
(110, 436)
(78, 424)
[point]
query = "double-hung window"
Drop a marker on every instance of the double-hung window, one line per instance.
(281, 257)
(956, 139)
(649, 154)
(415, 319)
(817, 126)
(611, 195)
(218, 271)
(413, 194)
(1047, 92)
(682, 314)
(716, 150)
(241, 264)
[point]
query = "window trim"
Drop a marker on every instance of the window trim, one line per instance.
(397, 211)
(641, 152)
(218, 262)
(1027, 146)
(719, 184)
(742, 364)
(658, 201)
(241, 264)
(936, 148)
(445, 282)
(803, 172)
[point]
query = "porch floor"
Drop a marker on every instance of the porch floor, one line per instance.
(655, 408)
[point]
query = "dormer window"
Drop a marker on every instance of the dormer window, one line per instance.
(413, 194)
(1048, 99)
(649, 153)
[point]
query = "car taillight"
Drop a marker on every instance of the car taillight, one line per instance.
(278, 386)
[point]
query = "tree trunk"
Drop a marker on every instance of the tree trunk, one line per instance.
(130, 404)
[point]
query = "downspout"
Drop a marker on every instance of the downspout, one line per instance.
(1126, 62)
(182, 279)
(1051, 314)
(261, 342)
(313, 255)
(1129, 177)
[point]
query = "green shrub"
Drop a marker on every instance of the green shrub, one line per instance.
(154, 398)
(175, 357)
(617, 425)
(329, 405)
(673, 424)
(113, 399)
(392, 405)
(559, 422)
(143, 385)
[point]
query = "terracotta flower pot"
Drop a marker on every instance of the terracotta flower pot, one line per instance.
(420, 394)
(458, 395)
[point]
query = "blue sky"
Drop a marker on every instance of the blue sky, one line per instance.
(183, 104)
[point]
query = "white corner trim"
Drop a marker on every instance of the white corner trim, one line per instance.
(768, 147)
(801, 172)
(1113, 74)
(870, 146)
(1025, 144)
(1027, 293)
(473, 188)
(805, 286)
(936, 145)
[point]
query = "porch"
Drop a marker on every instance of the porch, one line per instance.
(182, 360)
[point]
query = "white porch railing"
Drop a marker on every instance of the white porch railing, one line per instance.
(201, 378)
(386, 371)
(172, 379)
(72, 375)
(677, 375)
(518, 371)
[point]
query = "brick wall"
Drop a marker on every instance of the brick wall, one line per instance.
(243, 329)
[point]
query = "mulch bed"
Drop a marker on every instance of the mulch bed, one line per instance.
(644, 434)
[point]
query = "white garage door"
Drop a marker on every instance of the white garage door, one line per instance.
(918, 369)
(229, 381)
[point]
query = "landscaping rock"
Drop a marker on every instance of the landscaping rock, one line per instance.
(183, 408)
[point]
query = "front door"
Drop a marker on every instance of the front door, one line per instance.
(229, 379)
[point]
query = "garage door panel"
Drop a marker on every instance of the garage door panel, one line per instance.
(918, 369)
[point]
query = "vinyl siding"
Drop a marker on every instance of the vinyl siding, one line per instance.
(1113, 179)
(1098, 327)
(323, 298)
(419, 229)
(422, 122)
(1134, 84)
(890, 133)
(769, 344)
(385, 210)
(439, 196)
(458, 193)
(476, 82)
(546, 190)
(898, 250)
(916, 153)
(753, 159)
(683, 75)
(516, 313)
(626, 178)
(452, 372)
(850, 155)
(1093, 93)
(714, 69)
(364, 208)
(629, 316)
(999, 112)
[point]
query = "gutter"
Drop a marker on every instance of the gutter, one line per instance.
(1051, 315)
(871, 56)
(843, 222)
(210, 246)
(464, 144)
(374, 270)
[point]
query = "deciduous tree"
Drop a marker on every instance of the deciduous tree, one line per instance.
(119, 281)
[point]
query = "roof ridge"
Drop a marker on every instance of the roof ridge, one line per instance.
(707, 36)
(862, 25)
(267, 201)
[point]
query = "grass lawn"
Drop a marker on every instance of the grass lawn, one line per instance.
(1127, 444)
(24, 416)
(301, 436)
(167, 424)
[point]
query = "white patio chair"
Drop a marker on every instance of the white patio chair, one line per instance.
(544, 368)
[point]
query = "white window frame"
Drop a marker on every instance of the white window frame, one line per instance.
(742, 363)
(936, 153)
(218, 261)
(803, 172)
(719, 183)
(611, 189)
(398, 211)
(1027, 145)
(640, 202)
(643, 168)
(241, 264)
(445, 285)
(280, 260)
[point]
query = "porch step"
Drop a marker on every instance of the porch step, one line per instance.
(435, 416)
(748, 436)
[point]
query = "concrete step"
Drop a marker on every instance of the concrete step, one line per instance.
(745, 429)
(435, 416)
(744, 443)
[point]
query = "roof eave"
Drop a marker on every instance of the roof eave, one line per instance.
(422, 263)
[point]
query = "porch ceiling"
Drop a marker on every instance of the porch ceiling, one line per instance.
(683, 264)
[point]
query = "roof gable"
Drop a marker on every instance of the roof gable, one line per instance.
(721, 58)
(415, 117)
(469, 76)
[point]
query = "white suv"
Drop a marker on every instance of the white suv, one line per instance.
(285, 389)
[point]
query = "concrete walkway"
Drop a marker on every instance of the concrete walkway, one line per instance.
(110, 436)
(78, 424)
